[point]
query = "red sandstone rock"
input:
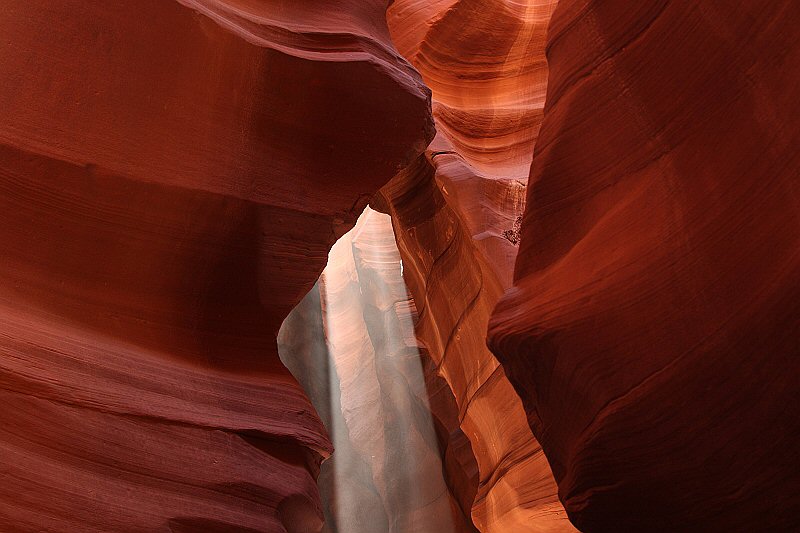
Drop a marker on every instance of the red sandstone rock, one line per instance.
(172, 177)
(652, 331)
(455, 291)
(452, 212)
(173, 174)
(484, 62)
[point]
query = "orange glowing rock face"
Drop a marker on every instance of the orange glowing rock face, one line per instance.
(173, 175)
(484, 62)
(453, 211)
(652, 331)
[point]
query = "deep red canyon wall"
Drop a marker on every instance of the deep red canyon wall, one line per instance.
(173, 175)
(652, 330)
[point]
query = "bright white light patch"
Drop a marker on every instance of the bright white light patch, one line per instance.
(386, 431)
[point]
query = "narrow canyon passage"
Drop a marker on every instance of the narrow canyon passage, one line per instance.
(399, 266)
(357, 326)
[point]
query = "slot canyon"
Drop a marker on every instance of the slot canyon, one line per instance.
(399, 266)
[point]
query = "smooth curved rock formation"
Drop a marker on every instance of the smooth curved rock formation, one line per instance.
(455, 290)
(454, 212)
(652, 331)
(173, 175)
(484, 62)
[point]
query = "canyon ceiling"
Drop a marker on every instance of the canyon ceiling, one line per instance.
(421, 266)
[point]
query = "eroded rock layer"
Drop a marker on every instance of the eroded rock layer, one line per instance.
(173, 175)
(455, 290)
(455, 212)
(484, 62)
(652, 331)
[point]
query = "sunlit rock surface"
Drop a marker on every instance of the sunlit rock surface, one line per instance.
(484, 62)
(173, 175)
(351, 344)
(455, 213)
(652, 331)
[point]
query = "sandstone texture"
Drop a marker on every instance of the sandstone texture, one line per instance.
(652, 330)
(454, 212)
(173, 175)
(571, 300)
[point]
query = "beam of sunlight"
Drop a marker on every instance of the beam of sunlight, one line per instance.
(386, 471)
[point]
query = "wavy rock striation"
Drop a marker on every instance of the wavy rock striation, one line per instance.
(652, 331)
(454, 212)
(484, 62)
(172, 176)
